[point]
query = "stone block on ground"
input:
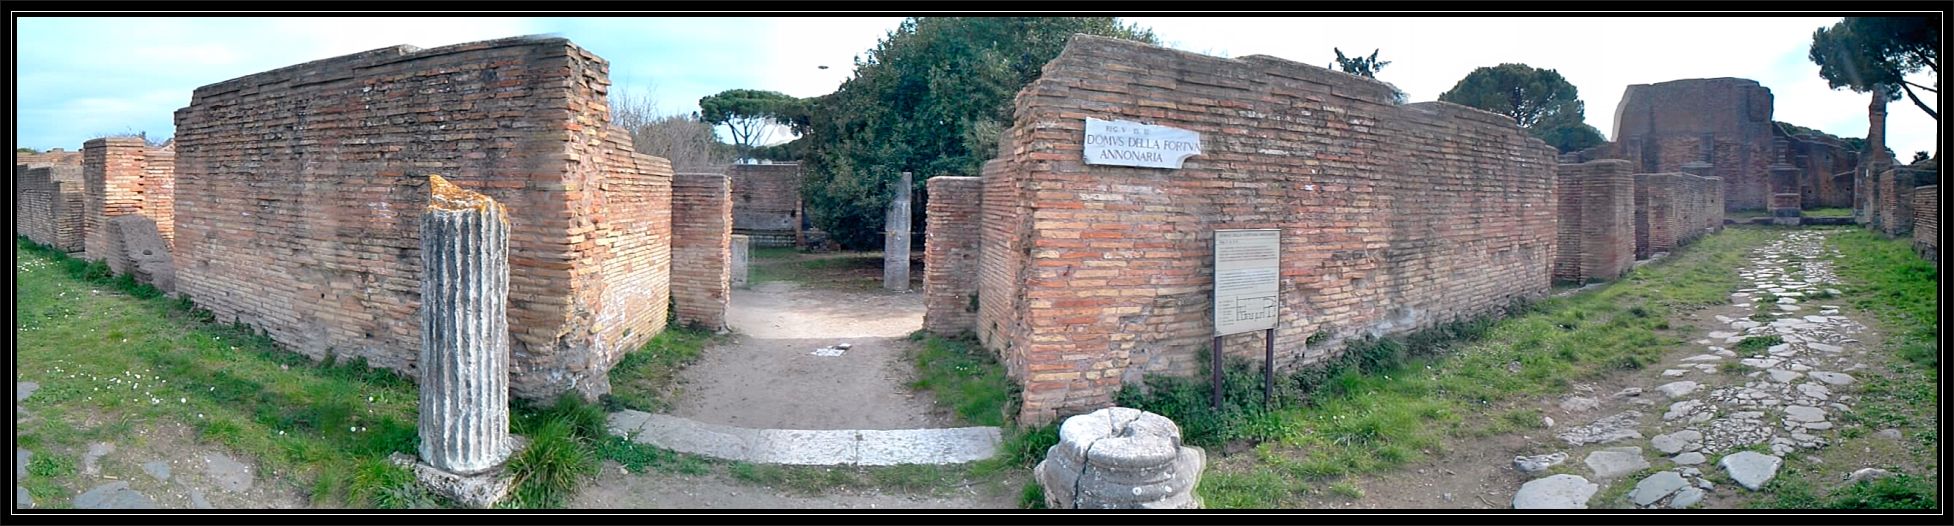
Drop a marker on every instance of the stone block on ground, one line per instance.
(1558, 492)
(1616, 461)
(1750, 468)
(1120, 458)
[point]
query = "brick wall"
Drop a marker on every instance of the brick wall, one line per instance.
(1393, 217)
(1596, 225)
(1000, 262)
(48, 206)
(300, 191)
(1699, 206)
(159, 189)
(702, 219)
(767, 202)
(1926, 222)
(1893, 209)
(1673, 209)
(950, 249)
(113, 171)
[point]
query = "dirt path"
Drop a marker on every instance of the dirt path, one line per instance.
(768, 375)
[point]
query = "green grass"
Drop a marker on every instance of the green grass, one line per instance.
(324, 427)
(643, 379)
(146, 359)
(857, 271)
(1756, 344)
(1828, 212)
(1387, 402)
(964, 377)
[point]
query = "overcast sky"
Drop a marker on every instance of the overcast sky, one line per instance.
(80, 78)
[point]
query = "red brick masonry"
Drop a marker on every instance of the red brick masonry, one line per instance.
(301, 189)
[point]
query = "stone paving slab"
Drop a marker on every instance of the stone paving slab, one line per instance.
(817, 447)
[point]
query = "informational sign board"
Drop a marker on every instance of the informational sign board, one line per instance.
(1126, 143)
(1247, 272)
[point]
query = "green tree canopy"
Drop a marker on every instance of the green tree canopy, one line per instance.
(748, 114)
(931, 98)
(1366, 67)
(1539, 100)
(1875, 54)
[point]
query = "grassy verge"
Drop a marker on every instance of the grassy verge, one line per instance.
(1386, 402)
(1899, 392)
(113, 356)
(967, 378)
(643, 379)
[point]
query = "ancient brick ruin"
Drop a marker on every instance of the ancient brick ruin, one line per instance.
(48, 204)
(1726, 124)
(767, 203)
(300, 190)
(1926, 222)
(124, 176)
(1091, 276)
(1597, 221)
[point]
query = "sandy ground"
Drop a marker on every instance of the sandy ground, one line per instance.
(765, 375)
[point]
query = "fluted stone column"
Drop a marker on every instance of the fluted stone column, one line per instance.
(464, 363)
(1120, 458)
(895, 239)
(464, 330)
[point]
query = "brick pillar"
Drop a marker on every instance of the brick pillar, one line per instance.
(950, 245)
(112, 170)
(702, 238)
(895, 238)
(1597, 221)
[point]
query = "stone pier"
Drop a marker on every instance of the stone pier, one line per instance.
(740, 260)
(895, 239)
(464, 362)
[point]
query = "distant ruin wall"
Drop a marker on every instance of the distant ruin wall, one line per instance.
(48, 206)
(1926, 222)
(1597, 221)
(301, 190)
(1661, 126)
(52, 157)
(950, 253)
(767, 202)
(1393, 218)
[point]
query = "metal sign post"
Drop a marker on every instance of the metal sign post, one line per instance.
(1247, 272)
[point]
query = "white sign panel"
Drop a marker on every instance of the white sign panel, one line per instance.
(1247, 272)
(1125, 143)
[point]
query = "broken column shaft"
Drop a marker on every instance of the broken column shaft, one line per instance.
(895, 239)
(464, 363)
